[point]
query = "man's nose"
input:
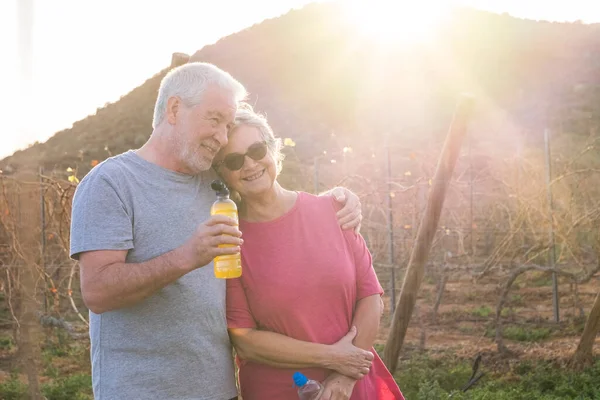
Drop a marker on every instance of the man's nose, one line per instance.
(221, 136)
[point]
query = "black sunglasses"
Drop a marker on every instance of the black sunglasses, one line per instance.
(235, 161)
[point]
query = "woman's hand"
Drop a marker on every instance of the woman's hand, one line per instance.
(337, 387)
(349, 360)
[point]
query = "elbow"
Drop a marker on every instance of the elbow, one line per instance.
(243, 351)
(242, 348)
(92, 300)
(94, 305)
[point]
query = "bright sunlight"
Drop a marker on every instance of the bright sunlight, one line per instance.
(395, 21)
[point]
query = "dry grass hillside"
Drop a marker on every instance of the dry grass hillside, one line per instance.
(312, 77)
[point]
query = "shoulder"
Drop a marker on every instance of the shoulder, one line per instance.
(105, 175)
(324, 205)
(111, 169)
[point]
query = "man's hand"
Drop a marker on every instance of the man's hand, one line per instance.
(337, 387)
(350, 216)
(350, 360)
(203, 246)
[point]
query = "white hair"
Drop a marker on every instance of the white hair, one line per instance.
(189, 82)
(246, 116)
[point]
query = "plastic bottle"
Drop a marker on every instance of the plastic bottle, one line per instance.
(226, 266)
(307, 388)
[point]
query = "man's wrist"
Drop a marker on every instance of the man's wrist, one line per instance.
(185, 258)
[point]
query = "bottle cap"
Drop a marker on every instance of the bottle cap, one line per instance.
(300, 379)
(219, 187)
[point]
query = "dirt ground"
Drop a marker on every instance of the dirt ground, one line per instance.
(468, 309)
(465, 315)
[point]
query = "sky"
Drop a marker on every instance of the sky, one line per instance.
(63, 59)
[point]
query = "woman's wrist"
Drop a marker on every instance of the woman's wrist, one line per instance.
(329, 358)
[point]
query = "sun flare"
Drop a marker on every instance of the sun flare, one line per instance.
(390, 21)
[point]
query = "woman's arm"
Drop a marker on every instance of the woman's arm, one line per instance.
(281, 351)
(367, 315)
(366, 319)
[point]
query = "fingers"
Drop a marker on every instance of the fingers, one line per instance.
(326, 395)
(354, 224)
(226, 251)
(361, 372)
(357, 229)
(333, 392)
(221, 229)
(358, 371)
(352, 220)
(356, 375)
(220, 219)
(339, 194)
(226, 240)
(351, 334)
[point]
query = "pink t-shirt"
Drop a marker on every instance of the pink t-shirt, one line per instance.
(302, 276)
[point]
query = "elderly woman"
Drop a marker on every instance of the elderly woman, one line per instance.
(308, 299)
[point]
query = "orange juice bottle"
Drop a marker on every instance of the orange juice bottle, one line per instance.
(226, 266)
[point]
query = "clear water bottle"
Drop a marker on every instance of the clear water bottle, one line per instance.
(307, 388)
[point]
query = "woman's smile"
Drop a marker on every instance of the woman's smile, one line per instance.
(254, 176)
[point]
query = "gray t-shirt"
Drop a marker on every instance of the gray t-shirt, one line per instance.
(174, 344)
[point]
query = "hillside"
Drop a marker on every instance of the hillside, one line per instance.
(312, 77)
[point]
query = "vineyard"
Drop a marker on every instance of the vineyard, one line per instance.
(488, 287)
(513, 276)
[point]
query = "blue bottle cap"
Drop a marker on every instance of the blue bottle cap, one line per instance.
(300, 379)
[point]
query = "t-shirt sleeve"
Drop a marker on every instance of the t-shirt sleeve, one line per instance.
(367, 283)
(238, 310)
(99, 217)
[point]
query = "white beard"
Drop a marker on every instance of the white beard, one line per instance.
(194, 159)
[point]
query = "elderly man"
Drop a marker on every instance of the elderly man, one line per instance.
(142, 232)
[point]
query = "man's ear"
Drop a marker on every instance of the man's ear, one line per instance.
(173, 107)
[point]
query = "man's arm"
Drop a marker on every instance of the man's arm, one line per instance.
(350, 216)
(281, 351)
(109, 283)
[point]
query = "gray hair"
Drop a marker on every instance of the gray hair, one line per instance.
(245, 116)
(189, 82)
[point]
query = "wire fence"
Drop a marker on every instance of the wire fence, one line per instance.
(497, 218)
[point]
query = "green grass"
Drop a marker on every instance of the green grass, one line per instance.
(471, 296)
(6, 343)
(521, 334)
(13, 389)
(422, 371)
(73, 387)
(540, 279)
(507, 312)
(516, 300)
(466, 329)
(427, 379)
(420, 378)
(482, 311)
